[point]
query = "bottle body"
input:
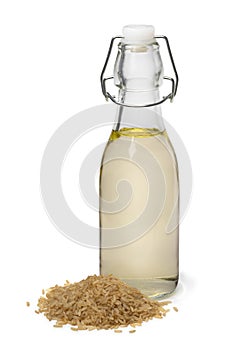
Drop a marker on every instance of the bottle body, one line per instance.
(146, 162)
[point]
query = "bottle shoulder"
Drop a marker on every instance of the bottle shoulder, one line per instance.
(130, 143)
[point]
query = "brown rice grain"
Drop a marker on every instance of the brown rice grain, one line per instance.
(98, 302)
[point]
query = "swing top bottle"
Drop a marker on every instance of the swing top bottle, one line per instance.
(139, 185)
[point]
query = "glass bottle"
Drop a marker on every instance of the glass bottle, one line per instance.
(139, 186)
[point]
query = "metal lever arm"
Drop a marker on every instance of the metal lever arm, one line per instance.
(173, 81)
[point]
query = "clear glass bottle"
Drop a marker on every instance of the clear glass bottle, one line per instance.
(139, 186)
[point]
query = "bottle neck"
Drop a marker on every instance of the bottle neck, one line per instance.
(138, 74)
(149, 117)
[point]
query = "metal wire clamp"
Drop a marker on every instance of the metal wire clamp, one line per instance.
(174, 82)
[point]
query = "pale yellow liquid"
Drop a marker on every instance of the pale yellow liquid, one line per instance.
(150, 262)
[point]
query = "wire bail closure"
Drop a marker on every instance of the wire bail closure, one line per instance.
(173, 81)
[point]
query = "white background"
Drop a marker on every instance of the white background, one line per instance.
(51, 56)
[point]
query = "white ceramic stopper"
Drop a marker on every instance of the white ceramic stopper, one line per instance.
(138, 34)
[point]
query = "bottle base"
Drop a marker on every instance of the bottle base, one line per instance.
(154, 288)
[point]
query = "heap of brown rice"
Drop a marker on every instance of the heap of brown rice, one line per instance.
(98, 302)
